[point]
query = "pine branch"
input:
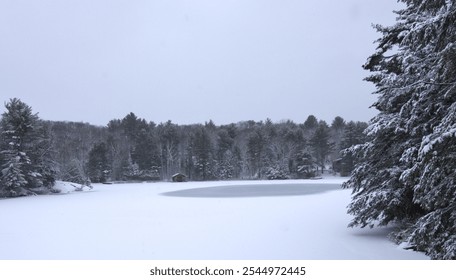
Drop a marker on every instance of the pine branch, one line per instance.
(426, 83)
(439, 84)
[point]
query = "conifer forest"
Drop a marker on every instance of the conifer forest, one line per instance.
(36, 152)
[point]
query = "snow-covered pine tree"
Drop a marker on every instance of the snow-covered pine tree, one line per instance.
(13, 182)
(16, 123)
(256, 150)
(407, 173)
(305, 165)
(202, 154)
(41, 153)
(353, 135)
(26, 167)
(98, 168)
(224, 157)
(321, 145)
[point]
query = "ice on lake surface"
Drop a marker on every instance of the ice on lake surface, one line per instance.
(260, 190)
(222, 220)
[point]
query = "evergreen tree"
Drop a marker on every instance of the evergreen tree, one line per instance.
(338, 124)
(277, 172)
(337, 131)
(118, 150)
(353, 135)
(132, 125)
(13, 180)
(70, 145)
(224, 155)
(146, 155)
(321, 145)
(305, 165)
(256, 150)
(26, 168)
(98, 168)
(169, 140)
(42, 156)
(407, 172)
(311, 123)
(202, 154)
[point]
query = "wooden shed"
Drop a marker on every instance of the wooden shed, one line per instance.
(179, 177)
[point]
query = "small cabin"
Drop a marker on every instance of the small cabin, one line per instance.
(179, 177)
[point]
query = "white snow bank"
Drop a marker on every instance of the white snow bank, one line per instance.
(136, 221)
(68, 187)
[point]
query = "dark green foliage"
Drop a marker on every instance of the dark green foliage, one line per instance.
(406, 170)
(311, 123)
(225, 156)
(353, 135)
(146, 155)
(169, 138)
(137, 150)
(98, 167)
(27, 168)
(13, 180)
(321, 145)
(305, 165)
(201, 145)
(338, 124)
(277, 172)
(256, 150)
(133, 149)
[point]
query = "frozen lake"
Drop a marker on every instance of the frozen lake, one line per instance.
(260, 190)
(295, 219)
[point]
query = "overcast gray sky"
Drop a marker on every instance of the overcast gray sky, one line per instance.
(190, 60)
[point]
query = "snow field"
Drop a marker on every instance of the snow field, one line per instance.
(137, 221)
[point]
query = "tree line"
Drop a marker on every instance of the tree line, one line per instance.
(36, 152)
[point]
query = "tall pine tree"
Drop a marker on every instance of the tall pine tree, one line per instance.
(202, 154)
(98, 168)
(407, 173)
(26, 167)
(321, 145)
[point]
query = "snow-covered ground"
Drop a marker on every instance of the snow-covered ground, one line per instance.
(293, 219)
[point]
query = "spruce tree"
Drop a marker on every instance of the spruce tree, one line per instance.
(353, 135)
(13, 180)
(225, 159)
(202, 154)
(98, 168)
(407, 170)
(25, 160)
(321, 145)
(256, 151)
(305, 165)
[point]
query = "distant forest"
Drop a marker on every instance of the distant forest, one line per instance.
(133, 149)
